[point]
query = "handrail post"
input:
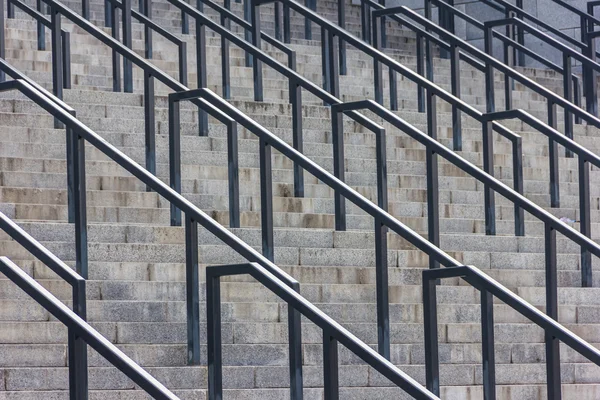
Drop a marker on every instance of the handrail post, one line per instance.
(277, 17)
(233, 175)
(213, 336)
(10, 9)
(287, 38)
(331, 385)
(183, 74)
(577, 97)
(66, 53)
(3, 32)
(430, 324)
(149, 124)
(551, 342)
(488, 167)
(78, 360)
(108, 14)
(297, 139)
(295, 349)
(334, 64)
(455, 86)
(85, 9)
(585, 220)
(57, 58)
(487, 345)
(590, 76)
(146, 5)
(41, 29)
(337, 139)
(127, 41)
(508, 60)
(382, 289)
(431, 159)
(185, 23)
(420, 71)
(342, 43)
(393, 77)
(446, 21)
(174, 155)
(201, 73)
(365, 21)
(312, 5)
(553, 159)
(79, 202)
(116, 58)
(325, 61)
(490, 97)
(266, 199)
(518, 185)
(225, 67)
(568, 95)
(256, 63)
(377, 68)
(519, 56)
(248, 33)
(192, 290)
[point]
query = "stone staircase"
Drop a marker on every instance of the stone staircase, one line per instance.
(136, 291)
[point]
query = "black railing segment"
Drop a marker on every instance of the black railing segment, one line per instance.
(296, 81)
(489, 288)
(585, 159)
(553, 99)
(521, 48)
(44, 23)
(333, 334)
(78, 379)
(568, 55)
(86, 333)
(151, 26)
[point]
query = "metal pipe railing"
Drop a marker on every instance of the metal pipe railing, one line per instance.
(84, 333)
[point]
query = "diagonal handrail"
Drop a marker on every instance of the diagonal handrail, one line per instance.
(87, 334)
(333, 333)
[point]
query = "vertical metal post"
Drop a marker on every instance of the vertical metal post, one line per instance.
(192, 287)
(312, 5)
(10, 9)
(490, 99)
(568, 95)
(256, 63)
(183, 74)
(233, 174)
(432, 361)
(225, 67)
(298, 142)
(455, 85)
(79, 203)
(342, 44)
(295, 350)
(508, 60)
(277, 16)
(337, 139)
(487, 345)
(488, 166)
(127, 41)
(146, 5)
(331, 384)
(287, 38)
(377, 69)
(174, 155)
(78, 361)
(585, 220)
(591, 77)
(248, 33)
(518, 185)
(553, 159)
(365, 21)
(519, 55)
(266, 199)
(334, 64)
(2, 32)
(382, 289)
(116, 58)
(66, 53)
(393, 90)
(57, 58)
(213, 336)
(420, 71)
(149, 124)
(185, 23)
(108, 14)
(41, 29)
(431, 159)
(201, 73)
(325, 61)
(577, 98)
(552, 343)
(383, 28)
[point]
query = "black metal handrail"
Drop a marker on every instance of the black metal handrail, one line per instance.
(509, 42)
(77, 352)
(554, 332)
(86, 334)
(491, 64)
(151, 26)
(43, 22)
(333, 333)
